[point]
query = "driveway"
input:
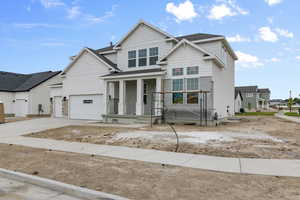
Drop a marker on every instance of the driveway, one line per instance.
(14, 190)
(35, 125)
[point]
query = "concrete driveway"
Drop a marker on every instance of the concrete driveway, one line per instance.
(35, 125)
(14, 190)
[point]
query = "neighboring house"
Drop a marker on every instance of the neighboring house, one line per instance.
(238, 101)
(26, 94)
(255, 98)
(118, 81)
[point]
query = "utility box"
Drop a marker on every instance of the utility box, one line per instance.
(2, 117)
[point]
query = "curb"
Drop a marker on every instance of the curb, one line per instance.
(59, 186)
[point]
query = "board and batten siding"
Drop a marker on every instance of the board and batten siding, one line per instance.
(142, 38)
(84, 77)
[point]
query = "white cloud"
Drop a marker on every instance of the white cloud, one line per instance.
(73, 12)
(238, 38)
(270, 20)
(266, 34)
(227, 8)
(95, 19)
(273, 2)
(248, 61)
(284, 33)
(52, 3)
(274, 59)
(183, 12)
(298, 57)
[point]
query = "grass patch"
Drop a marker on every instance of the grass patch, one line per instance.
(256, 114)
(292, 114)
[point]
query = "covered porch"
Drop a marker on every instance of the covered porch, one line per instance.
(129, 95)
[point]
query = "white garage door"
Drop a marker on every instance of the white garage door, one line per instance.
(87, 107)
(58, 106)
(21, 108)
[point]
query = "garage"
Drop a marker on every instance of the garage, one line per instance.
(21, 107)
(90, 107)
(58, 107)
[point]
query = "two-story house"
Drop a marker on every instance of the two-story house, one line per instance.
(121, 80)
(254, 98)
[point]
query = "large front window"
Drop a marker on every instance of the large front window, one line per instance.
(153, 56)
(177, 98)
(132, 58)
(192, 98)
(192, 84)
(177, 84)
(142, 57)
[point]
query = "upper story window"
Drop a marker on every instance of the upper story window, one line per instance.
(142, 57)
(249, 95)
(132, 58)
(177, 71)
(153, 56)
(192, 70)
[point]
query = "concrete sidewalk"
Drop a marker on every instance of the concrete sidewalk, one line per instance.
(275, 167)
(293, 119)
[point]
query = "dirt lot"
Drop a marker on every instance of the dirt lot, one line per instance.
(139, 180)
(252, 137)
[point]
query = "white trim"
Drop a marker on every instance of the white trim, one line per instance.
(184, 41)
(226, 43)
(79, 55)
(108, 52)
(55, 86)
(142, 22)
(134, 75)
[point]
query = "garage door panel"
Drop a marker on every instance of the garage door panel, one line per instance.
(21, 108)
(88, 107)
(58, 107)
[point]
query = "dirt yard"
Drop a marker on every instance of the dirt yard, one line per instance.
(252, 137)
(139, 180)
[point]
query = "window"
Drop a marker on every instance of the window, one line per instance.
(145, 93)
(177, 71)
(142, 57)
(87, 101)
(132, 58)
(153, 56)
(192, 84)
(192, 70)
(192, 98)
(177, 84)
(177, 98)
(249, 95)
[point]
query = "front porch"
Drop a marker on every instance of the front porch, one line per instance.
(131, 97)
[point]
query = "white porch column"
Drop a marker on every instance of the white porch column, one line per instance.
(121, 107)
(105, 94)
(139, 96)
(158, 96)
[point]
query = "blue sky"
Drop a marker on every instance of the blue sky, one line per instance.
(40, 35)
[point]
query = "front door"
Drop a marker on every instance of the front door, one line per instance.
(149, 88)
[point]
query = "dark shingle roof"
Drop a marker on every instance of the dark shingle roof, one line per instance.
(102, 57)
(264, 90)
(12, 82)
(134, 72)
(236, 93)
(198, 36)
(108, 48)
(244, 89)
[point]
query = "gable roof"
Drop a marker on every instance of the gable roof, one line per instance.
(98, 56)
(142, 22)
(132, 72)
(13, 82)
(264, 90)
(198, 36)
(236, 93)
(207, 55)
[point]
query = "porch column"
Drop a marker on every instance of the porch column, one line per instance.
(158, 96)
(105, 94)
(121, 107)
(139, 96)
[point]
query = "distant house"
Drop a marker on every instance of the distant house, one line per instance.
(238, 101)
(26, 94)
(255, 98)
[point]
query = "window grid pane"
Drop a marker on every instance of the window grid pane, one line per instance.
(177, 98)
(192, 84)
(177, 84)
(153, 60)
(153, 55)
(192, 98)
(131, 54)
(154, 51)
(142, 53)
(193, 70)
(177, 71)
